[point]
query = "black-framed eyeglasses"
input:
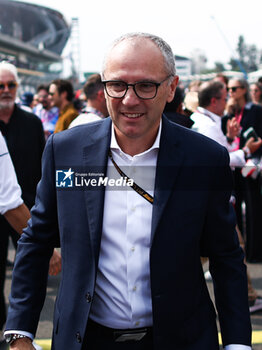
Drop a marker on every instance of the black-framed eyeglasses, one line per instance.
(146, 90)
(11, 85)
(234, 88)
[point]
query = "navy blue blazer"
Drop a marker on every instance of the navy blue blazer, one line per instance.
(192, 217)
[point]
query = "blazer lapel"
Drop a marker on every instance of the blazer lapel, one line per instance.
(95, 157)
(169, 162)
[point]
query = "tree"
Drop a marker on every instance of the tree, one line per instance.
(248, 56)
(219, 67)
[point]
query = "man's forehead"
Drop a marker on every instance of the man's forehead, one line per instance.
(52, 87)
(6, 75)
(134, 44)
(135, 54)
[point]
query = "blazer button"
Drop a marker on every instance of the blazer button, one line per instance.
(88, 297)
(78, 337)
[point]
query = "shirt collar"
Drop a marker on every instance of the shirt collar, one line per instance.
(93, 110)
(114, 145)
(209, 114)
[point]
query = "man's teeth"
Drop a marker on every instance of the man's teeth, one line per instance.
(133, 115)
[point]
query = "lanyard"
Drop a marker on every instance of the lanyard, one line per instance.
(135, 187)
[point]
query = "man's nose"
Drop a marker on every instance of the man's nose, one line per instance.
(6, 88)
(130, 97)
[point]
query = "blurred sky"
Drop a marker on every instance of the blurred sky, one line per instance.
(186, 25)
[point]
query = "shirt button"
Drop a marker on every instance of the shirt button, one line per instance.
(88, 297)
(134, 289)
(133, 249)
(133, 209)
(137, 323)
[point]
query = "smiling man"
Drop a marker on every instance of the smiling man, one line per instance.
(126, 252)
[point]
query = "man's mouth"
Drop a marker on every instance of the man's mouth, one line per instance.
(132, 115)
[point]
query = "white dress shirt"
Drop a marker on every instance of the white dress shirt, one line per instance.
(209, 124)
(89, 115)
(123, 294)
(10, 192)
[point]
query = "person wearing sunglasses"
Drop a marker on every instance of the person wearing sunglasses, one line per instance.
(24, 136)
(126, 250)
(246, 114)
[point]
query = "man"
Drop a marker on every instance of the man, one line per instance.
(123, 284)
(212, 102)
(23, 133)
(44, 111)
(96, 108)
(61, 94)
(174, 110)
(11, 203)
(24, 137)
(212, 98)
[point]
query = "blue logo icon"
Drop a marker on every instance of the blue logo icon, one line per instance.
(64, 178)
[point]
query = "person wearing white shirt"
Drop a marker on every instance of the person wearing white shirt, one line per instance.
(11, 203)
(96, 108)
(212, 99)
(128, 200)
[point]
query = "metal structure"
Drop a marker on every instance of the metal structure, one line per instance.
(32, 37)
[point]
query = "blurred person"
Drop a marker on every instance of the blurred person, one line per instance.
(212, 98)
(35, 101)
(26, 101)
(96, 108)
(222, 78)
(23, 133)
(123, 283)
(61, 95)
(256, 93)
(247, 190)
(194, 85)
(174, 110)
(44, 111)
(190, 103)
(15, 211)
(11, 203)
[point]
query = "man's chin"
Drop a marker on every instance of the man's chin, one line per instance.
(6, 104)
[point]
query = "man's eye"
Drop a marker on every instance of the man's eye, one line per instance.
(146, 86)
(117, 85)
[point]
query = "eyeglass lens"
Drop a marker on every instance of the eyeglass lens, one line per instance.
(144, 90)
(11, 85)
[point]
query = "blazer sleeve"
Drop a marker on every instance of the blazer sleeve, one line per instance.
(226, 257)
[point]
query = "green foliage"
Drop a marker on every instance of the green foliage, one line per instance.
(248, 56)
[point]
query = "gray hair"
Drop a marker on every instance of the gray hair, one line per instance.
(9, 67)
(163, 46)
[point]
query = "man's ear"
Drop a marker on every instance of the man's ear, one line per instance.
(101, 95)
(63, 95)
(172, 88)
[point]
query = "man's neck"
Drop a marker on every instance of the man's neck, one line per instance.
(5, 114)
(64, 104)
(212, 110)
(133, 146)
(93, 104)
